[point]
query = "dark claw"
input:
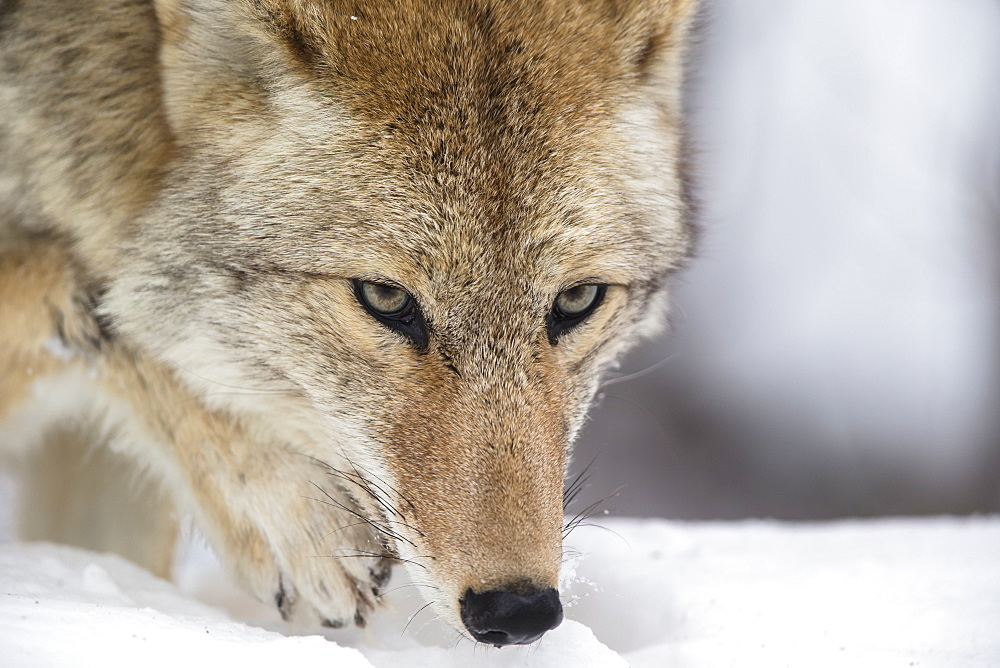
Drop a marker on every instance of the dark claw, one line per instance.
(285, 598)
(380, 574)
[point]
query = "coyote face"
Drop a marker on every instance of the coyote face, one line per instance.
(397, 245)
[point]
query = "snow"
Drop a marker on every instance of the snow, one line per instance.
(640, 593)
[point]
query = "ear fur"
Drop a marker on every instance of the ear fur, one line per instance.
(229, 55)
(216, 56)
(659, 33)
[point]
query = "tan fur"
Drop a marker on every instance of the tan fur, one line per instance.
(187, 193)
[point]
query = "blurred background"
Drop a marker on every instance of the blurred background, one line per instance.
(835, 348)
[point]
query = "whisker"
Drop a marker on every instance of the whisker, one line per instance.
(588, 512)
(241, 390)
(459, 637)
(569, 554)
(638, 374)
(378, 527)
(360, 481)
(404, 586)
(648, 414)
(424, 607)
(362, 554)
(383, 482)
(424, 624)
(604, 528)
(578, 483)
(338, 529)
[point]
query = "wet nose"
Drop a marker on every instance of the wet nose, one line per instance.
(500, 617)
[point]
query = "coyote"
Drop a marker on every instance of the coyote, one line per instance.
(338, 280)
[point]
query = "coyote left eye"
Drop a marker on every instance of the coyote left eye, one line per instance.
(572, 307)
(393, 307)
(387, 300)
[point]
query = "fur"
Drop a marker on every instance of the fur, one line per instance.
(188, 189)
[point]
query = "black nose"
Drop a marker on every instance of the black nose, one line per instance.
(501, 617)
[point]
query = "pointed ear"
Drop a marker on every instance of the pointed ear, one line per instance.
(172, 18)
(659, 33)
(217, 56)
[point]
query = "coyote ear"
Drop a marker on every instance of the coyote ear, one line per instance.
(172, 19)
(217, 56)
(659, 33)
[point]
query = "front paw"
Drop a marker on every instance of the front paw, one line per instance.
(304, 546)
(280, 521)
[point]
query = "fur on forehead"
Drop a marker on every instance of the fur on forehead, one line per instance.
(482, 122)
(390, 37)
(510, 68)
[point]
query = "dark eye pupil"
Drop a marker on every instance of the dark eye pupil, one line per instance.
(385, 299)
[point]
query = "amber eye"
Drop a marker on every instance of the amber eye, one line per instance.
(577, 300)
(395, 308)
(572, 306)
(384, 299)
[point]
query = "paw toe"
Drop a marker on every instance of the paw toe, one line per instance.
(285, 597)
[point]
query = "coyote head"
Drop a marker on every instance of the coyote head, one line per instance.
(422, 229)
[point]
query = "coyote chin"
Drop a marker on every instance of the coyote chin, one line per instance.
(336, 279)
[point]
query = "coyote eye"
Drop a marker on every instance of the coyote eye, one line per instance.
(572, 307)
(384, 299)
(393, 307)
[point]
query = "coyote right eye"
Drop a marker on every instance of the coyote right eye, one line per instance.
(393, 307)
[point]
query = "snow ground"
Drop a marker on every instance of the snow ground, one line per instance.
(642, 593)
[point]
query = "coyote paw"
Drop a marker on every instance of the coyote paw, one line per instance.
(299, 542)
(279, 520)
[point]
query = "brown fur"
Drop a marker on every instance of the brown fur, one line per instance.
(187, 192)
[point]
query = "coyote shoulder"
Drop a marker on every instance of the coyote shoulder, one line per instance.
(338, 280)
